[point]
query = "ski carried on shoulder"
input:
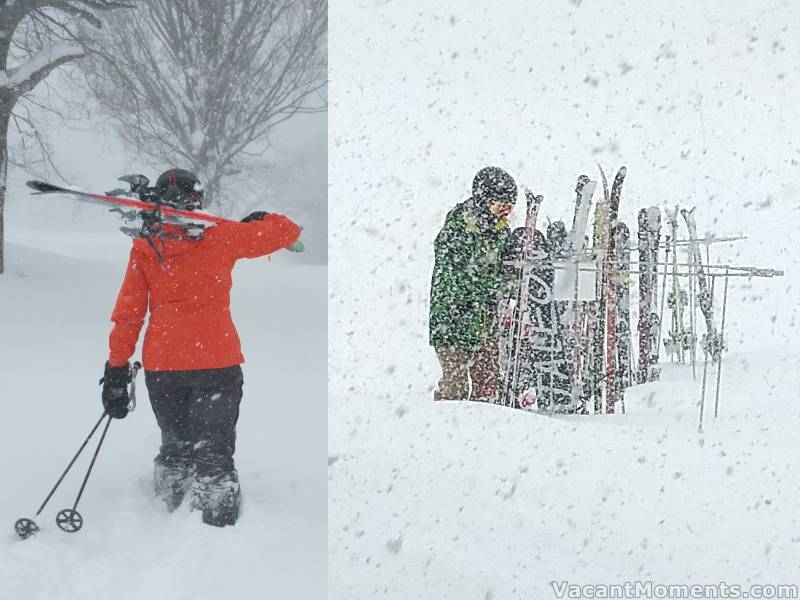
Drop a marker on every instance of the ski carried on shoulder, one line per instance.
(171, 213)
(149, 208)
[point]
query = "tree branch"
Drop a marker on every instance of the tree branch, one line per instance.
(24, 78)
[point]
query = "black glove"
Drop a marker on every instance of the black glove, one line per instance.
(115, 390)
(255, 216)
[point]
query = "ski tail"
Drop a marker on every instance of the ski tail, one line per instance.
(46, 188)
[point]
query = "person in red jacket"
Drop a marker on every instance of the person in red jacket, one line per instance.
(191, 352)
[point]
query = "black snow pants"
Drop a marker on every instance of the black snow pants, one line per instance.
(197, 413)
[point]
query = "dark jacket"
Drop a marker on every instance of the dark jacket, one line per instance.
(468, 277)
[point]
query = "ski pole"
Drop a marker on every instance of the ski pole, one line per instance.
(27, 527)
(706, 350)
(693, 317)
(703, 392)
(663, 293)
(721, 343)
(70, 520)
(577, 383)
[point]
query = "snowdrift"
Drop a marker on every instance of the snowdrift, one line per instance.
(55, 303)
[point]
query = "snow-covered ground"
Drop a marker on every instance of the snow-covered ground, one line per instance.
(463, 501)
(55, 303)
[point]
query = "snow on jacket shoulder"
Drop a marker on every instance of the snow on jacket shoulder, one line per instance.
(188, 298)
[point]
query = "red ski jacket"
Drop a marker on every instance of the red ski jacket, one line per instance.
(190, 324)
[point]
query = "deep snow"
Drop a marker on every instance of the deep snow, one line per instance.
(464, 501)
(55, 303)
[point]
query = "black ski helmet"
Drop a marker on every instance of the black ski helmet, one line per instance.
(180, 187)
(493, 183)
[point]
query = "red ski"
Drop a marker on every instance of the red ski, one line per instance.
(613, 392)
(178, 214)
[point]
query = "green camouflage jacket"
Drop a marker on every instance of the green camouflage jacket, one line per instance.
(467, 279)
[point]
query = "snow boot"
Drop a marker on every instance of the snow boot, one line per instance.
(217, 496)
(172, 480)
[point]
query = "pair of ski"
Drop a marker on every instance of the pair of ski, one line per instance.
(541, 370)
(712, 341)
(611, 352)
(152, 214)
(536, 374)
(649, 232)
(136, 207)
(680, 339)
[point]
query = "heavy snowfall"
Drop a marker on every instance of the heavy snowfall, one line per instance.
(473, 501)
(64, 263)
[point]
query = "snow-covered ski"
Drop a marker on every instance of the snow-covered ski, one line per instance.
(622, 379)
(610, 288)
(518, 314)
(649, 221)
(678, 340)
(711, 341)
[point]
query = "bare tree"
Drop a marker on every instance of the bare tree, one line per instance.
(201, 84)
(36, 36)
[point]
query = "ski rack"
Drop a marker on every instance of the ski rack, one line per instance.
(738, 271)
(596, 260)
(706, 241)
(712, 271)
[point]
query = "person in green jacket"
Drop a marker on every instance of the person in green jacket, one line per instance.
(468, 277)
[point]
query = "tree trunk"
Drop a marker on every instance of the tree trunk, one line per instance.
(10, 17)
(6, 106)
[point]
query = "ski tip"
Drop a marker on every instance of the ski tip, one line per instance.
(584, 186)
